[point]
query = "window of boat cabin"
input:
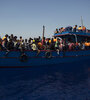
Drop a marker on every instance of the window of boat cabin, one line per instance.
(69, 38)
(83, 39)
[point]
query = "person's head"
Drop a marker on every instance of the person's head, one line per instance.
(56, 29)
(61, 27)
(39, 37)
(11, 36)
(20, 37)
(25, 40)
(15, 37)
(6, 35)
(75, 25)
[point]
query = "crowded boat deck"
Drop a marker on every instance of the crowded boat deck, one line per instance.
(64, 39)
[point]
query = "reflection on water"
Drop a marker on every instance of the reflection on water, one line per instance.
(56, 85)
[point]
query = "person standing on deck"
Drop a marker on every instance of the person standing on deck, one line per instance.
(56, 31)
(79, 29)
(84, 29)
(75, 28)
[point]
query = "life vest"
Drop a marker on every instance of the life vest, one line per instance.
(49, 41)
(55, 40)
(84, 28)
(3, 38)
(87, 43)
(80, 28)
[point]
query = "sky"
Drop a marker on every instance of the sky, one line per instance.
(26, 17)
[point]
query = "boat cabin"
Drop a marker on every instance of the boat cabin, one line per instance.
(80, 39)
(74, 36)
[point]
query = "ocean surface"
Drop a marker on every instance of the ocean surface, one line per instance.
(55, 84)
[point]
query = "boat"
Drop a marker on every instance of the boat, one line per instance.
(35, 65)
(29, 58)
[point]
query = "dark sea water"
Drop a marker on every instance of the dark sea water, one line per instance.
(62, 84)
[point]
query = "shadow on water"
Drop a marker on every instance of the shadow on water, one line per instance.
(45, 83)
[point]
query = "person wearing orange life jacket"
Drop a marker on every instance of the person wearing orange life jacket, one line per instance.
(54, 39)
(87, 44)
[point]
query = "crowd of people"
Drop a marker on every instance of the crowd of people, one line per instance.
(13, 43)
(71, 29)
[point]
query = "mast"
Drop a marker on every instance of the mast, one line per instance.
(81, 22)
(43, 31)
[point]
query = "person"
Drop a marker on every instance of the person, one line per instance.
(1, 47)
(39, 38)
(68, 28)
(61, 45)
(10, 45)
(75, 28)
(76, 46)
(34, 47)
(59, 30)
(86, 44)
(82, 46)
(52, 44)
(56, 31)
(12, 36)
(6, 36)
(71, 46)
(26, 44)
(4, 43)
(39, 45)
(20, 38)
(17, 45)
(57, 43)
(62, 29)
(79, 29)
(84, 29)
(55, 39)
(43, 43)
(48, 44)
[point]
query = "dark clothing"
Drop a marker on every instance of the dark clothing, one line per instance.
(10, 45)
(74, 29)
